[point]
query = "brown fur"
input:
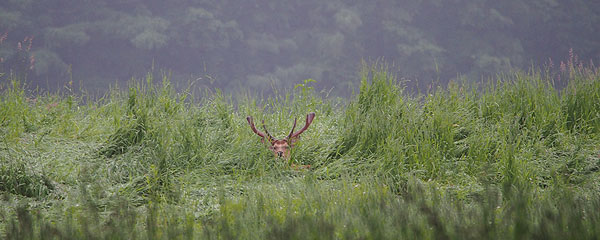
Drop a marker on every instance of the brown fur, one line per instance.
(281, 147)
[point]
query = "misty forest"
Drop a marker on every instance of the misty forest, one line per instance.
(432, 119)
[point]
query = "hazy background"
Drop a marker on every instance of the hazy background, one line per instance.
(259, 45)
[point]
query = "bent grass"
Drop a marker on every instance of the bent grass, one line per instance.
(514, 159)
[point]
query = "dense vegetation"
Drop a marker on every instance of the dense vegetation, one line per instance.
(516, 158)
(257, 44)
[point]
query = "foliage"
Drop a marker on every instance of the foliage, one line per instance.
(515, 158)
(259, 44)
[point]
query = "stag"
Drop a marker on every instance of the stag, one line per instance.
(281, 147)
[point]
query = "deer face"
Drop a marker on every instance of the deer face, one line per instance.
(281, 147)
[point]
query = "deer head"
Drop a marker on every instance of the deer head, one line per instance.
(281, 147)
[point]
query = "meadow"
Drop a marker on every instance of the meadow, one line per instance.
(515, 157)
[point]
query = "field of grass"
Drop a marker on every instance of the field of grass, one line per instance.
(515, 158)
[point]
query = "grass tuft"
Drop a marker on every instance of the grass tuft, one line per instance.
(515, 158)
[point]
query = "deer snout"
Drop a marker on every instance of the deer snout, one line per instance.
(280, 154)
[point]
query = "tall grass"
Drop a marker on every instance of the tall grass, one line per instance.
(516, 158)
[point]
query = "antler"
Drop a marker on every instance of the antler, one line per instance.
(309, 119)
(267, 131)
(291, 132)
(259, 133)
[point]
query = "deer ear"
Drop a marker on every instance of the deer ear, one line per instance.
(292, 141)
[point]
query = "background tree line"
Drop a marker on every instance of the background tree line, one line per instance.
(258, 44)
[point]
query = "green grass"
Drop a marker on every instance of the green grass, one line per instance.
(511, 159)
